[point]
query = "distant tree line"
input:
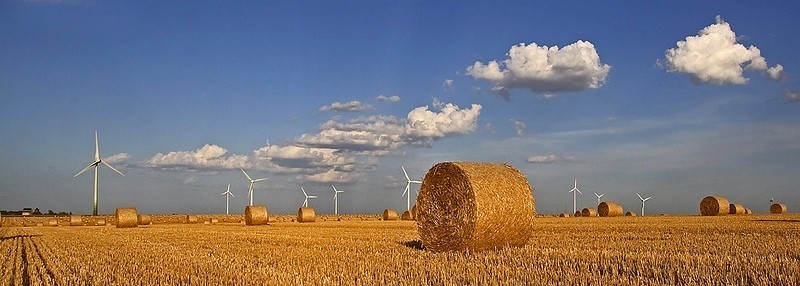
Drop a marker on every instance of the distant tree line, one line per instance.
(34, 212)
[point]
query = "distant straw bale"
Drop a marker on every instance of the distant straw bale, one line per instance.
(75, 220)
(777, 208)
(736, 209)
(144, 219)
(52, 222)
(407, 216)
(256, 215)
(101, 222)
(563, 215)
(588, 212)
(747, 211)
(126, 217)
(306, 215)
(714, 206)
(390, 214)
(578, 214)
(630, 214)
(609, 209)
(474, 206)
(191, 219)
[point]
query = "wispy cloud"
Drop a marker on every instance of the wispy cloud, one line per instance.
(542, 159)
(792, 96)
(519, 126)
(393, 98)
(352, 106)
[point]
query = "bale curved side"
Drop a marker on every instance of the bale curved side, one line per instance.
(777, 208)
(474, 206)
(126, 217)
(306, 215)
(390, 214)
(256, 215)
(714, 206)
(609, 209)
(630, 214)
(736, 209)
(588, 212)
(75, 220)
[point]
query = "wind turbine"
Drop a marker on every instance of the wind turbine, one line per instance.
(408, 188)
(336, 200)
(598, 197)
(575, 196)
(252, 182)
(643, 200)
(227, 195)
(97, 161)
(305, 202)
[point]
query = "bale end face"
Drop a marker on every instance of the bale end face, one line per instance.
(714, 206)
(578, 214)
(588, 212)
(126, 217)
(306, 215)
(468, 206)
(736, 209)
(407, 216)
(630, 214)
(191, 219)
(256, 215)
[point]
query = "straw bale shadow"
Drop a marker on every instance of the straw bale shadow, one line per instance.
(415, 244)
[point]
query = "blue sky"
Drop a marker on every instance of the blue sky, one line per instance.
(674, 100)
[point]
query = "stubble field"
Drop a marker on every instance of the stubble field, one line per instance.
(673, 250)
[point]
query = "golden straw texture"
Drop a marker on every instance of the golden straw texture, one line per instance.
(714, 206)
(474, 206)
(126, 217)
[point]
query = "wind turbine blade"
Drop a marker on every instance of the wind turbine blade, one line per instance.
(647, 198)
(408, 186)
(96, 147)
(579, 191)
(260, 180)
(112, 168)
(245, 174)
(640, 196)
(304, 192)
(312, 197)
(418, 182)
(85, 169)
(334, 189)
(405, 173)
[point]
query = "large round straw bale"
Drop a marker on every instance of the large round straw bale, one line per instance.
(75, 220)
(589, 212)
(630, 214)
(407, 216)
(747, 211)
(474, 206)
(126, 217)
(777, 208)
(578, 214)
(306, 215)
(144, 219)
(256, 215)
(606, 209)
(192, 219)
(390, 214)
(736, 209)
(714, 206)
(52, 222)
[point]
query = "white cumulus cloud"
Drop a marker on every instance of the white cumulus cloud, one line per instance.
(208, 157)
(519, 126)
(117, 158)
(352, 106)
(715, 56)
(574, 67)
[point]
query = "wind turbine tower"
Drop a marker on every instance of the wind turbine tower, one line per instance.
(598, 197)
(228, 196)
(305, 202)
(336, 200)
(97, 161)
(252, 182)
(643, 200)
(408, 188)
(574, 192)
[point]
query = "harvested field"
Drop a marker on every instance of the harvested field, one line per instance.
(673, 250)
